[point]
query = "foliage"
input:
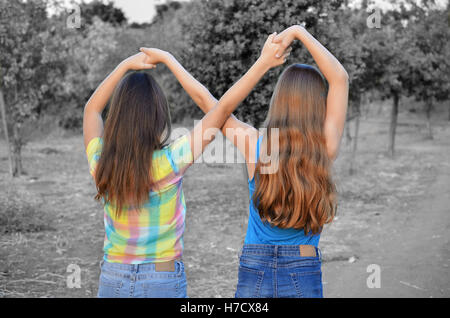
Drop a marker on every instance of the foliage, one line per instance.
(106, 12)
(430, 63)
(225, 38)
(17, 214)
(86, 66)
(47, 67)
(26, 65)
(168, 33)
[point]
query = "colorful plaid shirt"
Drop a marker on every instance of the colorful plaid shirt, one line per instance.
(154, 231)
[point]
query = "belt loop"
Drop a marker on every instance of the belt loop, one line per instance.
(319, 253)
(276, 250)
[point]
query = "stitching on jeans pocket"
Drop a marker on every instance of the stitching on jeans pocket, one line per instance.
(156, 289)
(299, 263)
(250, 262)
(108, 282)
(259, 278)
(305, 288)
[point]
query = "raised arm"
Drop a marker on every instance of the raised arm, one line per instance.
(92, 118)
(201, 135)
(217, 116)
(335, 74)
(241, 134)
(233, 128)
(199, 93)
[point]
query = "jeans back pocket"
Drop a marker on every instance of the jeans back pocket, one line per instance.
(109, 286)
(308, 284)
(170, 287)
(249, 282)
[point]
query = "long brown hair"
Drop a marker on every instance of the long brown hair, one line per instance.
(138, 123)
(300, 194)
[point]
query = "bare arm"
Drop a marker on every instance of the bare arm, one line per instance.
(337, 77)
(217, 116)
(238, 132)
(201, 135)
(92, 118)
(233, 128)
(199, 93)
(218, 112)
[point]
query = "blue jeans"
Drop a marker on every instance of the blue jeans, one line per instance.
(278, 271)
(141, 281)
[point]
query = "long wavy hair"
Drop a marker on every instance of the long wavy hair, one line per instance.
(137, 124)
(300, 194)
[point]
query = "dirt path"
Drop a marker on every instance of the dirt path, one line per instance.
(410, 246)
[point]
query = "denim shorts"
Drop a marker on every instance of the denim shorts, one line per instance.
(141, 281)
(278, 271)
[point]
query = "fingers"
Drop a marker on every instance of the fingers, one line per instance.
(287, 52)
(270, 38)
(145, 66)
(279, 52)
(277, 39)
(283, 49)
(145, 50)
(285, 56)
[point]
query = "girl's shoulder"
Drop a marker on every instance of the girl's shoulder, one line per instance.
(174, 157)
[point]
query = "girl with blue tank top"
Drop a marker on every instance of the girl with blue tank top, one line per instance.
(291, 191)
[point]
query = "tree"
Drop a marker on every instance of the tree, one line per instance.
(167, 32)
(165, 10)
(408, 57)
(86, 66)
(106, 12)
(430, 80)
(25, 65)
(46, 66)
(225, 38)
(346, 34)
(388, 62)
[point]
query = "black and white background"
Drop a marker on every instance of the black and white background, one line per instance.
(391, 234)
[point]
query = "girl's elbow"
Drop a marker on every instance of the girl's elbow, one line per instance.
(343, 76)
(333, 149)
(333, 154)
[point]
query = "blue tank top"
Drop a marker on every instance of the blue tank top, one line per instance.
(259, 232)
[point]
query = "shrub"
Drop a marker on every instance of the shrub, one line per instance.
(19, 215)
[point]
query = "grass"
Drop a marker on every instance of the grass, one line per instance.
(19, 215)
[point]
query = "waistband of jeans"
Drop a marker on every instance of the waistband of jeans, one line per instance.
(275, 250)
(143, 267)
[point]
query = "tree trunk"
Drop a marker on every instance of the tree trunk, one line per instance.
(357, 109)
(17, 150)
(393, 125)
(5, 129)
(429, 107)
